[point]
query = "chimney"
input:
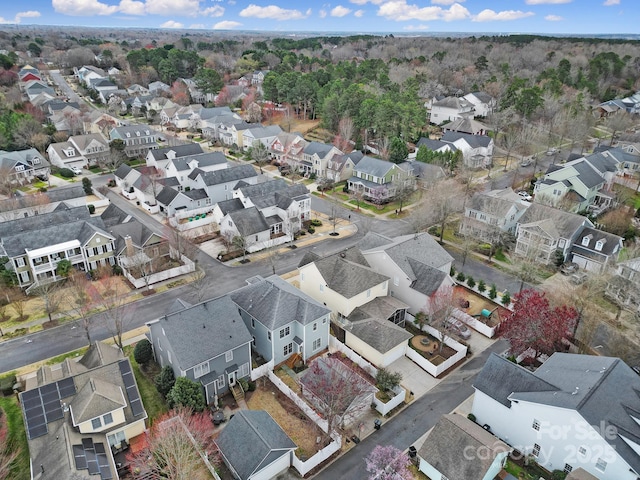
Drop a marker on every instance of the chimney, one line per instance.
(129, 248)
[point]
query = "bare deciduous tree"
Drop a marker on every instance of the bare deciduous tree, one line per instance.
(79, 301)
(51, 295)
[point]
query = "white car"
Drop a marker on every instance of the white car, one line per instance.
(525, 195)
(76, 170)
(552, 151)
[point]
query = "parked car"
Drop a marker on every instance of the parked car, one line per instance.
(526, 162)
(568, 268)
(525, 195)
(459, 328)
(76, 170)
(42, 177)
(552, 151)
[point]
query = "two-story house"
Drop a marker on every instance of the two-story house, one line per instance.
(264, 134)
(489, 215)
(364, 316)
(595, 250)
(417, 266)
(477, 150)
(624, 286)
(377, 180)
(138, 139)
(219, 184)
(340, 167)
(314, 158)
(81, 414)
(542, 230)
(208, 343)
(160, 157)
(35, 245)
(287, 147)
(449, 109)
(181, 167)
(80, 151)
(21, 166)
(574, 411)
(483, 103)
(282, 319)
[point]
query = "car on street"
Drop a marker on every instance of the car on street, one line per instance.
(525, 195)
(460, 329)
(76, 170)
(552, 151)
(526, 162)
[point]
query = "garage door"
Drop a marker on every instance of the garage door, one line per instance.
(587, 264)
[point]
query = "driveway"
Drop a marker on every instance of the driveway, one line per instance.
(414, 378)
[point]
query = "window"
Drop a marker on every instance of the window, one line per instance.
(244, 370)
(200, 370)
(368, 293)
(567, 468)
(536, 425)
(220, 381)
(599, 245)
(601, 465)
(116, 439)
(24, 277)
(396, 281)
(228, 356)
(285, 331)
(536, 450)
(19, 168)
(253, 322)
(585, 240)
(96, 423)
(253, 340)
(20, 262)
(315, 326)
(302, 276)
(582, 451)
(317, 344)
(269, 335)
(324, 320)
(107, 419)
(288, 349)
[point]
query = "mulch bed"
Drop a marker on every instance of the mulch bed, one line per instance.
(428, 351)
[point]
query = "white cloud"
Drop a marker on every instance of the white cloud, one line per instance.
(188, 8)
(322, 13)
(610, 3)
(553, 18)
(197, 26)
(80, 8)
(274, 12)
(489, 15)
(132, 7)
(19, 16)
(399, 10)
(546, 2)
(445, 2)
(226, 25)
(171, 24)
(215, 11)
(358, 13)
(416, 28)
(340, 11)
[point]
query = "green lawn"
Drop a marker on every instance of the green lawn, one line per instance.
(153, 402)
(20, 468)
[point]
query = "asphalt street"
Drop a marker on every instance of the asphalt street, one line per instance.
(404, 429)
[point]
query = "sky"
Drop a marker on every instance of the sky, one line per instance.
(353, 16)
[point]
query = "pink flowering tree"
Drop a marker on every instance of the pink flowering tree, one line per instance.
(388, 463)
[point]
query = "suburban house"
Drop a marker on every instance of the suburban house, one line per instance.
(261, 133)
(86, 73)
(220, 184)
(483, 103)
(542, 231)
(41, 202)
(624, 286)
(449, 109)
(477, 150)
(595, 250)
(287, 147)
(158, 87)
(220, 127)
(249, 227)
(21, 166)
(364, 317)
(160, 157)
(574, 411)
(340, 167)
(181, 167)
(138, 139)
(254, 446)
(35, 245)
(576, 185)
(97, 121)
(290, 203)
(208, 343)
(282, 320)
(80, 151)
(417, 266)
(379, 180)
(315, 157)
(489, 215)
(466, 125)
(459, 449)
(80, 414)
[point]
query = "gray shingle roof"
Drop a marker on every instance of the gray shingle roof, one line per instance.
(59, 194)
(451, 436)
(474, 141)
(374, 166)
(264, 188)
(249, 221)
(433, 144)
(564, 223)
(251, 441)
(587, 174)
(231, 174)
(610, 241)
(167, 195)
(348, 273)
(317, 148)
(122, 171)
(230, 205)
(496, 205)
(204, 160)
(428, 279)
(275, 303)
(204, 331)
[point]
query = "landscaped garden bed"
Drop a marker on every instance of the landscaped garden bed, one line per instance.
(431, 349)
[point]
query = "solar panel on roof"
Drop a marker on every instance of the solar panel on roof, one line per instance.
(99, 448)
(87, 444)
(92, 465)
(37, 431)
(30, 403)
(136, 407)
(132, 391)
(55, 415)
(30, 394)
(105, 473)
(51, 387)
(66, 387)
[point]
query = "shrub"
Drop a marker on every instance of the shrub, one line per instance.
(311, 230)
(42, 189)
(244, 383)
(315, 222)
(312, 176)
(66, 173)
(187, 393)
(471, 282)
(506, 298)
(143, 352)
(471, 417)
(345, 189)
(387, 380)
(164, 380)
(452, 271)
(111, 183)
(460, 277)
(558, 475)
(92, 208)
(482, 286)
(493, 292)
(87, 186)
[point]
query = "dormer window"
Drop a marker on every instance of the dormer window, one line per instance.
(137, 134)
(19, 168)
(70, 152)
(128, 134)
(586, 239)
(600, 244)
(36, 161)
(147, 132)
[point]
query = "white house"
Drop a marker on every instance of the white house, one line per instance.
(449, 109)
(573, 411)
(477, 150)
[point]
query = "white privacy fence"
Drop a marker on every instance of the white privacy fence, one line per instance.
(430, 368)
